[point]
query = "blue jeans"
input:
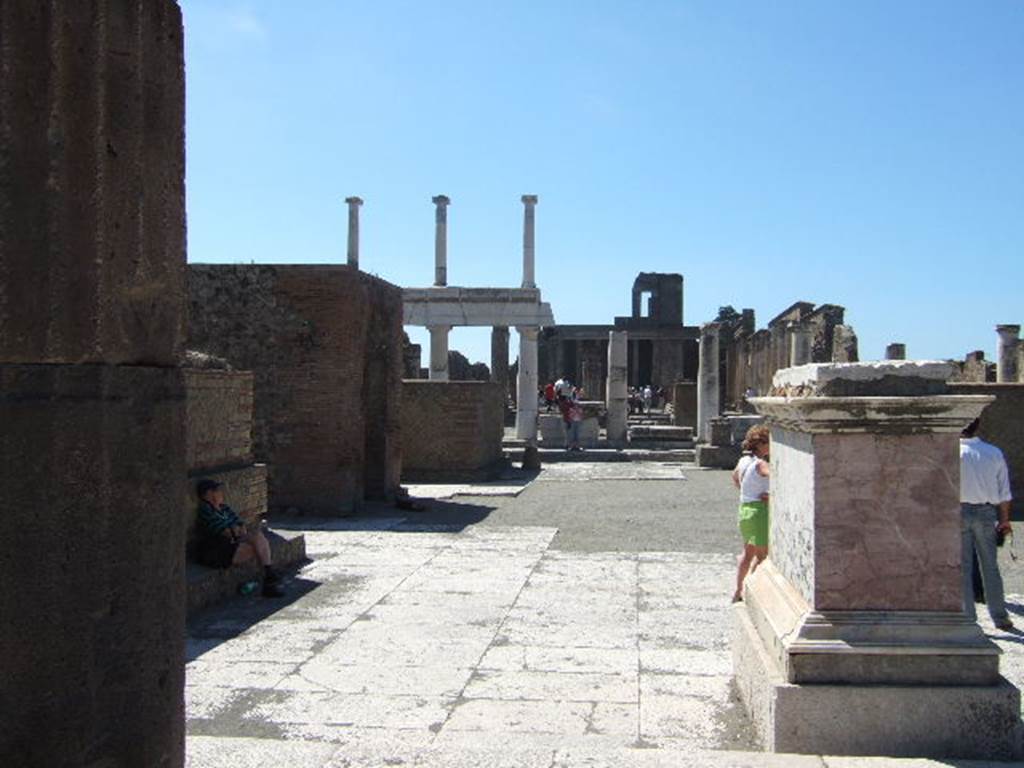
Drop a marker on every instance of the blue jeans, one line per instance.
(978, 534)
(572, 434)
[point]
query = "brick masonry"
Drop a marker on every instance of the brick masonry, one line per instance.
(324, 344)
(219, 418)
(452, 430)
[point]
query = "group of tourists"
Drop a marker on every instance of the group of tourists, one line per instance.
(984, 516)
(642, 399)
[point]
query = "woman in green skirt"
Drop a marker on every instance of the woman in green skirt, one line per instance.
(751, 477)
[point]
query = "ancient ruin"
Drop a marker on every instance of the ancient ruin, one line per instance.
(441, 307)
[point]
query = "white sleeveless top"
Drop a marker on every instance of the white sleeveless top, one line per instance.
(752, 482)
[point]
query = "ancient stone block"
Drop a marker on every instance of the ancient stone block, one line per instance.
(92, 562)
(92, 229)
(219, 418)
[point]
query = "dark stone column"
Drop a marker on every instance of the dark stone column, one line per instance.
(92, 443)
(499, 359)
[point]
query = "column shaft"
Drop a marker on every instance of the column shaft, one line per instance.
(1006, 353)
(353, 231)
(896, 351)
(499, 358)
(529, 203)
(441, 241)
(801, 337)
(707, 381)
(526, 413)
(616, 389)
(439, 352)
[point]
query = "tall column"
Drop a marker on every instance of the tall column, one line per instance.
(439, 352)
(1006, 353)
(896, 351)
(708, 404)
(616, 389)
(92, 305)
(499, 358)
(441, 241)
(861, 598)
(529, 201)
(353, 230)
(526, 395)
(801, 337)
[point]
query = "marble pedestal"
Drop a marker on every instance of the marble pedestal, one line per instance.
(851, 638)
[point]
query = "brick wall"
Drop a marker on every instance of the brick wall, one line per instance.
(452, 430)
(324, 344)
(218, 418)
(1002, 424)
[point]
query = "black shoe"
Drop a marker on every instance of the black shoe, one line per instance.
(272, 588)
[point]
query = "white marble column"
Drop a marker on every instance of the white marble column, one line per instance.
(1006, 353)
(708, 406)
(526, 387)
(529, 201)
(616, 389)
(439, 352)
(353, 230)
(441, 242)
(801, 339)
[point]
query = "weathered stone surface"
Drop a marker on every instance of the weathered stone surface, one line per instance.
(684, 404)
(452, 430)
(92, 562)
(324, 344)
(219, 418)
(92, 163)
(892, 377)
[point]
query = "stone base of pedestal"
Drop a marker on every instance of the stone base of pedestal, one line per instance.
(718, 456)
(975, 722)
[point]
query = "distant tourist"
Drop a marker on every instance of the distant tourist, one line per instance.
(648, 397)
(572, 416)
(563, 387)
(549, 396)
(751, 477)
(224, 540)
(984, 514)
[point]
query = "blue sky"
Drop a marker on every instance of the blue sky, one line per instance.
(868, 154)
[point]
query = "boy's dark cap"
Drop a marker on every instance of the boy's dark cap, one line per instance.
(206, 485)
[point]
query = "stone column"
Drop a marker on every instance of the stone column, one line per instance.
(353, 230)
(526, 395)
(439, 352)
(1006, 353)
(851, 638)
(441, 241)
(708, 406)
(616, 389)
(92, 411)
(499, 359)
(801, 337)
(529, 202)
(896, 351)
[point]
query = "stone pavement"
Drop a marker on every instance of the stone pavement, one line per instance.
(427, 641)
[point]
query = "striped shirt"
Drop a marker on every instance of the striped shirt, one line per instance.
(213, 521)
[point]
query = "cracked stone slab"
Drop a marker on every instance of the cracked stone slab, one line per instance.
(552, 717)
(546, 686)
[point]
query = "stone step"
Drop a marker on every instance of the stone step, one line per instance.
(209, 586)
(558, 455)
(660, 432)
(647, 444)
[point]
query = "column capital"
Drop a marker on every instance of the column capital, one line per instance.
(711, 328)
(529, 199)
(440, 200)
(439, 327)
(1010, 330)
(354, 200)
(528, 332)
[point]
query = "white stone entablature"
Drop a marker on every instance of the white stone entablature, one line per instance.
(453, 306)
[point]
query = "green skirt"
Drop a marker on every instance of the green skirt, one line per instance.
(754, 523)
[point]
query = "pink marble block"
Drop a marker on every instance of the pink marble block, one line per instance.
(886, 522)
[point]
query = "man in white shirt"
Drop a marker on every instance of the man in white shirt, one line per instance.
(984, 510)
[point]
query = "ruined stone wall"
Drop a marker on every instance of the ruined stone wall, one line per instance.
(1002, 424)
(92, 403)
(219, 423)
(324, 344)
(452, 430)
